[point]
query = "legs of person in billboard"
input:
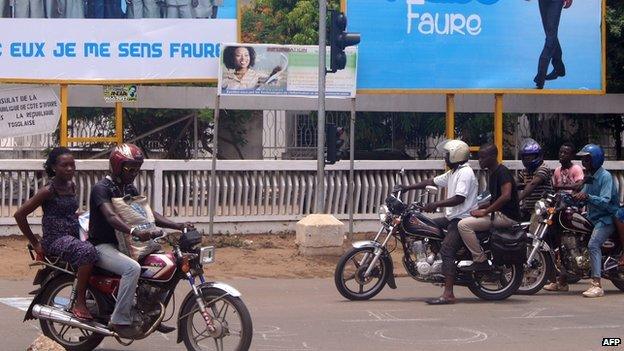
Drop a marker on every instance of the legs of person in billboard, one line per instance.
(4, 11)
(550, 11)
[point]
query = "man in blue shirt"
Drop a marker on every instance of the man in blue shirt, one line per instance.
(601, 195)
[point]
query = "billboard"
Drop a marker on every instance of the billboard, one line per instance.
(282, 70)
(502, 45)
(119, 42)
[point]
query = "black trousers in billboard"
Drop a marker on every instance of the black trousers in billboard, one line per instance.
(550, 11)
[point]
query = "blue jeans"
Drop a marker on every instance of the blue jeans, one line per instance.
(598, 237)
(112, 260)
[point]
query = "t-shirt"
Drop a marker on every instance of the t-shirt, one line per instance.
(567, 176)
(526, 177)
(463, 182)
(100, 231)
(498, 177)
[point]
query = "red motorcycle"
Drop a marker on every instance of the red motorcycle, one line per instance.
(212, 315)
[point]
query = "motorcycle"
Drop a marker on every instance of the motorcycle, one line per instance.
(561, 215)
(364, 270)
(212, 315)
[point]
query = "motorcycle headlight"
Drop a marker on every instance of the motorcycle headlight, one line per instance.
(383, 213)
(540, 208)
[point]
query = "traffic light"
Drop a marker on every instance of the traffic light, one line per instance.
(334, 142)
(339, 40)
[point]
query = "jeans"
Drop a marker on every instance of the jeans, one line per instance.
(550, 12)
(598, 237)
(112, 260)
(469, 226)
(450, 245)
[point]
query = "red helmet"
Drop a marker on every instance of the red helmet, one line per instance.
(124, 153)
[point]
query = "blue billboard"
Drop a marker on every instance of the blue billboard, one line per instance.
(504, 45)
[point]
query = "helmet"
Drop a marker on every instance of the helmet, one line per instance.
(124, 153)
(596, 153)
(458, 151)
(531, 147)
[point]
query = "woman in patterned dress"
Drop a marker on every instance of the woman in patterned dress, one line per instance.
(60, 223)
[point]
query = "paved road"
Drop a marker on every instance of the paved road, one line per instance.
(309, 314)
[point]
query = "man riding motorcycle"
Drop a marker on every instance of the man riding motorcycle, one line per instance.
(125, 164)
(601, 195)
(461, 199)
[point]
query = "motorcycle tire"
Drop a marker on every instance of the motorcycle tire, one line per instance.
(341, 283)
(618, 279)
(510, 288)
(211, 297)
(548, 272)
(47, 298)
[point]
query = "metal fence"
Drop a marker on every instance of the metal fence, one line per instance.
(247, 191)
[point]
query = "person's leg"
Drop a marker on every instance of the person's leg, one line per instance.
(467, 230)
(451, 244)
(82, 280)
(129, 270)
(36, 8)
(172, 11)
(152, 9)
(619, 226)
(598, 237)
(551, 14)
(184, 11)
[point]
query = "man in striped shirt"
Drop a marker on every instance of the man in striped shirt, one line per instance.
(535, 179)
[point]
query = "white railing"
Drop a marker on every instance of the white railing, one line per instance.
(247, 190)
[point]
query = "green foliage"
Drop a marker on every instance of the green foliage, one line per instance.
(615, 46)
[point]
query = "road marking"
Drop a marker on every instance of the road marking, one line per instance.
(533, 314)
(21, 303)
(477, 336)
(387, 317)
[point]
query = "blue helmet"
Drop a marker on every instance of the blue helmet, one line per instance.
(531, 147)
(595, 152)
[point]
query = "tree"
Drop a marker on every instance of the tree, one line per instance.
(615, 46)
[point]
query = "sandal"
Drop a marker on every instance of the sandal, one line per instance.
(440, 301)
(82, 315)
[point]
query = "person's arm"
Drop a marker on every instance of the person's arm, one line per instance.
(604, 199)
(496, 205)
(567, 3)
(164, 222)
(528, 189)
(27, 208)
(419, 185)
(450, 202)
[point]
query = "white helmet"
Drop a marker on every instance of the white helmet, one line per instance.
(458, 151)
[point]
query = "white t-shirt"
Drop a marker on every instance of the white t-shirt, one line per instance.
(461, 182)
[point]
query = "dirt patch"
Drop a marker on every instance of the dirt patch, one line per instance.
(249, 256)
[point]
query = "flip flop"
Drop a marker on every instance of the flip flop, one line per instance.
(440, 301)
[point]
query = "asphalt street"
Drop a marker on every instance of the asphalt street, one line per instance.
(309, 314)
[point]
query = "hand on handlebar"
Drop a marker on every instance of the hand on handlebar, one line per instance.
(430, 207)
(397, 188)
(580, 197)
(147, 234)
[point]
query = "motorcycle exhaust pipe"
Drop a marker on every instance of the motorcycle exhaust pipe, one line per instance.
(59, 316)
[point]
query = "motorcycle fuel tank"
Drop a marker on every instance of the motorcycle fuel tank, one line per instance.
(573, 221)
(158, 267)
(416, 223)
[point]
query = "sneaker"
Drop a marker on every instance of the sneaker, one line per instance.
(477, 266)
(594, 291)
(556, 287)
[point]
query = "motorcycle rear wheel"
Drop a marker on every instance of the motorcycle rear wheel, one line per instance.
(504, 283)
(351, 268)
(57, 294)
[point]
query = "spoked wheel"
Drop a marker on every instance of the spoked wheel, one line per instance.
(350, 278)
(58, 294)
(536, 275)
(232, 327)
(497, 284)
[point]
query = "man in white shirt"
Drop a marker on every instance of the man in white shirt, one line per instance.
(462, 189)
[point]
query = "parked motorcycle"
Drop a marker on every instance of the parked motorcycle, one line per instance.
(212, 315)
(364, 270)
(560, 215)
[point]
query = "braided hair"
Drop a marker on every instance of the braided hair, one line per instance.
(53, 158)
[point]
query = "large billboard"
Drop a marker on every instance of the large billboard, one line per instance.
(502, 45)
(118, 42)
(282, 70)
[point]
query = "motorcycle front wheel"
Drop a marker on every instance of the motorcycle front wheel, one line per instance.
(535, 278)
(497, 284)
(350, 270)
(233, 328)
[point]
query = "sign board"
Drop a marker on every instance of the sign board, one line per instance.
(416, 45)
(28, 111)
(282, 70)
(115, 49)
(121, 93)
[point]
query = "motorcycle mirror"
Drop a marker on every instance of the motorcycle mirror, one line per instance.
(431, 189)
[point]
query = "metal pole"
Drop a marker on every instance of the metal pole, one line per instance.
(320, 157)
(212, 203)
(498, 125)
(63, 132)
(351, 166)
(450, 116)
(195, 141)
(119, 123)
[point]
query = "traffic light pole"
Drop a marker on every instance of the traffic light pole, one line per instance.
(320, 155)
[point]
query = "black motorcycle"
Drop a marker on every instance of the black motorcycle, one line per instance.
(364, 270)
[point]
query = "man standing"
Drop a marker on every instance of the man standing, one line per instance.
(601, 195)
(501, 212)
(550, 11)
(462, 189)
